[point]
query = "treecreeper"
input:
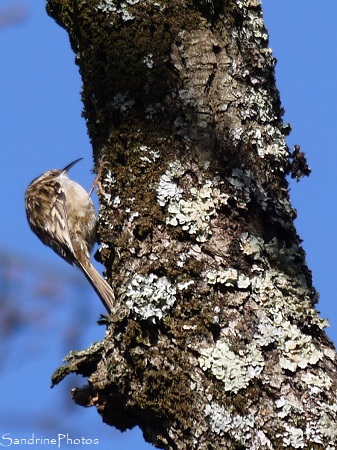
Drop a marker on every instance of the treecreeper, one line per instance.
(62, 215)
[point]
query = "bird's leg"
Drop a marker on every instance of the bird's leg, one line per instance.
(97, 181)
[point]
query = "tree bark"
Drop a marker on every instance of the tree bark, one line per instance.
(214, 342)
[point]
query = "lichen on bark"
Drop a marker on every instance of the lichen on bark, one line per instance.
(214, 341)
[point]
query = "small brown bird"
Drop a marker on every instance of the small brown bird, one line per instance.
(62, 215)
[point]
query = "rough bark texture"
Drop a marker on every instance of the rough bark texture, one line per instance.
(215, 342)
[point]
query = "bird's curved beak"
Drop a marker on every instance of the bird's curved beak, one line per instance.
(69, 166)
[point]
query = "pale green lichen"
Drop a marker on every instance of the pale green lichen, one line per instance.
(252, 246)
(319, 426)
(107, 6)
(168, 189)
(226, 277)
(229, 278)
(259, 105)
(316, 383)
(181, 259)
(270, 286)
(285, 407)
(327, 423)
(234, 369)
(150, 297)
(148, 60)
(222, 422)
(268, 333)
(148, 155)
(256, 103)
(242, 429)
(257, 24)
(293, 437)
(192, 213)
(216, 318)
(276, 148)
(243, 281)
(121, 8)
(107, 185)
(108, 201)
(184, 284)
(296, 349)
(253, 27)
(235, 134)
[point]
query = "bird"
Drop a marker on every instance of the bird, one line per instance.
(62, 215)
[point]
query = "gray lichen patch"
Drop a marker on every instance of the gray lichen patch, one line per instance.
(150, 297)
(241, 428)
(234, 369)
(192, 210)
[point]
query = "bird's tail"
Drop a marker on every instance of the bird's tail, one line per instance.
(101, 287)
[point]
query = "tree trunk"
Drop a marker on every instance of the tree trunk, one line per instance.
(214, 342)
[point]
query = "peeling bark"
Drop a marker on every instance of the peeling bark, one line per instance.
(215, 342)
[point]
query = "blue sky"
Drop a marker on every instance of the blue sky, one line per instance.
(303, 39)
(41, 128)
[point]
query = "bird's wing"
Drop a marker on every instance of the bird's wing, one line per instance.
(60, 225)
(52, 226)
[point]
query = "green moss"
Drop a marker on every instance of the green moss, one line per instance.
(102, 40)
(167, 393)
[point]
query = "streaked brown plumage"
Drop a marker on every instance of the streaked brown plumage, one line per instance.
(62, 215)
